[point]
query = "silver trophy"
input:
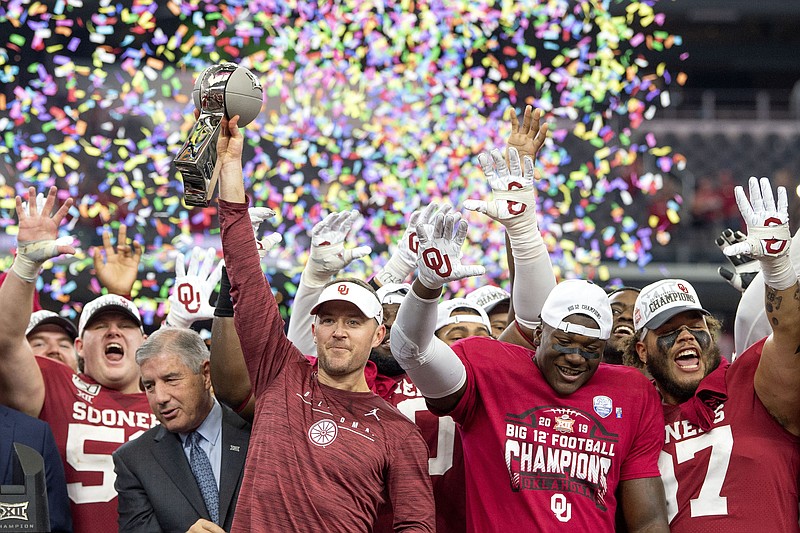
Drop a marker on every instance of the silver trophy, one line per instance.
(198, 155)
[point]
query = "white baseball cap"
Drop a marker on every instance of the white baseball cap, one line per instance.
(577, 296)
(40, 318)
(445, 317)
(105, 304)
(393, 293)
(347, 291)
(488, 297)
(662, 300)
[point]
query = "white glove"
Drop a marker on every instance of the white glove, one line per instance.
(189, 299)
(743, 267)
(328, 255)
(257, 216)
(768, 236)
(404, 259)
(439, 253)
(513, 202)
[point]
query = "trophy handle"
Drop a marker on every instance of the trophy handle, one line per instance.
(196, 160)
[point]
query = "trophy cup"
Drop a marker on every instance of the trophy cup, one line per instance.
(224, 89)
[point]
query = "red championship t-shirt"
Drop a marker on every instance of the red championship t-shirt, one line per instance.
(89, 422)
(539, 461)
(741, 475)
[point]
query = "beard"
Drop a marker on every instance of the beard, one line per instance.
(661, 370)
(612, 354)
(387, 365)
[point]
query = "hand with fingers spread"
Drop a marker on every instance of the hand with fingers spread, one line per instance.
(439, 252)
(189, 299)
(768, 235)
(513, 202)
(529, 137)
(404, 259)
(37, 238)
(257, 216)
(744, 266)
(117, 267)
(328, 255)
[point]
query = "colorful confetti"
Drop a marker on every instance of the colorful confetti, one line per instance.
(377, 105)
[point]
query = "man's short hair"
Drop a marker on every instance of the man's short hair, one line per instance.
(183, 342)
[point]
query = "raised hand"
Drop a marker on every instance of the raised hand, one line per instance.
(744, 267)
(768, 236)
(767, 222)
(328, 255)
(513, 202)
(257, 216)
(189, 298)
(117, 267)
(439, 252)
(528, 138)
(230, 142)
(37, 238)
(403, 260)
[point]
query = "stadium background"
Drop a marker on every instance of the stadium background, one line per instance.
(383, 105)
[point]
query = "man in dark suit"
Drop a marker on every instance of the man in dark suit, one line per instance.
(185, 472)
(32, 432)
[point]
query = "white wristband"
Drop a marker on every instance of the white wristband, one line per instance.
(779, 272)
(395, 271)
(26, 268)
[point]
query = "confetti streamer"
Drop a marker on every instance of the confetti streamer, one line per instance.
(379, 105)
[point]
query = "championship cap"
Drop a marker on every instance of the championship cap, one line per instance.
(347, 291)
(577, 296)
(393, 293)
(445, 317)
(106, 304)
(40, 318)
(488, 297)
(662, 300)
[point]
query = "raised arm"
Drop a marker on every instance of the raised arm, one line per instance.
(258, 322)
(513, 204)
(117, 268)
(777, 378)
(431, 364)
(21, 382)
(327, 258)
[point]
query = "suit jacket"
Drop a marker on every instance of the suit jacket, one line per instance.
(155, 485)
(32, 432)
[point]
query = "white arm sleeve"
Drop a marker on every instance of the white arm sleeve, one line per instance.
(300, 321)
(435, 369)
(533, 280)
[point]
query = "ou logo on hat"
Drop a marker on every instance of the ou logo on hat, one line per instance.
(343, 289)
(683, 288)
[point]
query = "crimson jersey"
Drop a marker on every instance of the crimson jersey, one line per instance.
(89, 422)
(742, 474)
(320, 459)
(539, 461)
(446, 460)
